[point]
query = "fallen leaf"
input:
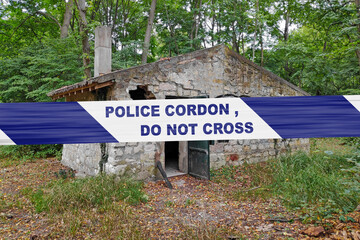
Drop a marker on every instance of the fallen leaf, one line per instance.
(314, 231)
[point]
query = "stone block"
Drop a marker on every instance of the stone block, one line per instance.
(149, 148)
(165, 86)
(228, 148)
(128, 150)
(187, 93)
(194, 93)
(132, 143)
(139, 148)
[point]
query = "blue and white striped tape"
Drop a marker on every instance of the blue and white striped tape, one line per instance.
(179, 120)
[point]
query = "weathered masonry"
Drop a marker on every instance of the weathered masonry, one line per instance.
(213, 72)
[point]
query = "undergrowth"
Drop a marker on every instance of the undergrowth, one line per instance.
(92, 206)
(317, 185)
(99, 191)
(17, 154)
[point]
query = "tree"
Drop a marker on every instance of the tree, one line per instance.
(84, 32)
(38, 69)
(64, 31)
(148, 32)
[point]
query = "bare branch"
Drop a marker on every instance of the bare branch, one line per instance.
(22, 22)
(45, 14)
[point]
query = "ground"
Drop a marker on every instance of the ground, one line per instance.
(194, 208)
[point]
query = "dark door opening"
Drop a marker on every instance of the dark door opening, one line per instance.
(187, 157)
(172, 155)
(172, 159)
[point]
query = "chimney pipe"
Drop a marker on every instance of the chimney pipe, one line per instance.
(102, 62)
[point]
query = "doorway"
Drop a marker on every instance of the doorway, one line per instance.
(171, 158)
(187, 156)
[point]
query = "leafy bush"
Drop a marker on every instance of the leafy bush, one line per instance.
(38, 69)
(99, 191)
(25, 152)
(30, 75)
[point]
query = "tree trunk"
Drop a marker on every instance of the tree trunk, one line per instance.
(67, 18)
(148, 32)
(193, 26)
(84, 36)
(235, 44)
(286, 37)
(212, 23)
(242, 44)
(287, 24)
(234, 37)
(262, 48)
(357, 51)
(256, 24)
(198, 21)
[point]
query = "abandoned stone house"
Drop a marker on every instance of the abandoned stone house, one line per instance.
(213, 72)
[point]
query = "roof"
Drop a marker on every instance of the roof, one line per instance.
(109, 78)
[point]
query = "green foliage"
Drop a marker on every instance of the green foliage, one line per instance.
(23, 23)
(30, 75)
(99, 191)
(126, 57)
(321, 55)
(65, 173)
(352, 141)
(317, 183)
(40, 203)
(16, 154)
(38, 69)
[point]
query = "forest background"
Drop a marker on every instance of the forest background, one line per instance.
(47, 44)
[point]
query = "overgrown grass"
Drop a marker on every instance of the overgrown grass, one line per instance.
(92, 206)
(318, 180)
(88, 192)
(318, 184)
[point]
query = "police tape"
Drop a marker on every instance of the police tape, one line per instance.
(179, 120)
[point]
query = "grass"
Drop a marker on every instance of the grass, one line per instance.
(92, 206)
(316, 180)
(318, 184)
(99, 191)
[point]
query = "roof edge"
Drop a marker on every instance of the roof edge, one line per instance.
(112, 75)
(265, 71)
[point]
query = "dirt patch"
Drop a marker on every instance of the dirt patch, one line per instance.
(18, 219)
(195, 202)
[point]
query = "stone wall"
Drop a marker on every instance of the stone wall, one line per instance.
(132, 159)
(210, 72)
(83, 158)
(236, 152)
